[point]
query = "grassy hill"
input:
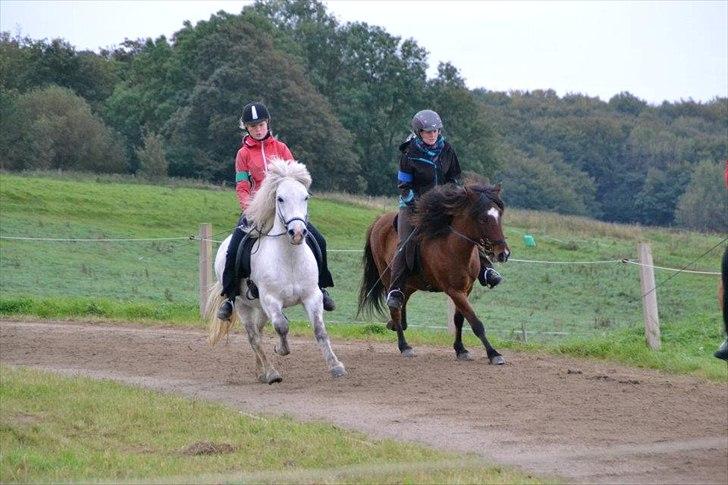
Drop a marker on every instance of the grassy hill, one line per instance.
(592, 309)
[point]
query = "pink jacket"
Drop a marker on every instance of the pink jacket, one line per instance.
(251, 164)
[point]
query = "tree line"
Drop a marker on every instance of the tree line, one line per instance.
(341, 96)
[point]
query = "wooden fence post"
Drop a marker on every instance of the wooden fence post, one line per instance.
(649, 297)
(205, 265)
(450, 316)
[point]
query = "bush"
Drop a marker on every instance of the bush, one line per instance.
(704, 205)
(55, 129)
(152, 160)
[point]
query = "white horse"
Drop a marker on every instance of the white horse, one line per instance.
(282, 266)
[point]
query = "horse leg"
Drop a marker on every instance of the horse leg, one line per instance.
(253, 327)
(460, 351)
(314, 308)
(280, 323)
(463, 305)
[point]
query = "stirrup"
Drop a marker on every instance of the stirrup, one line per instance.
(252, 292)
(489, 277)
(395, 298)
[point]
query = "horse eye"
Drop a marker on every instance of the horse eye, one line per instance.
(280, 199)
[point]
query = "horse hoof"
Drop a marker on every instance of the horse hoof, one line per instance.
(465, 356)
(281, 350)
(274, 377)
(497, 360)
(338, 371)
(408, 353)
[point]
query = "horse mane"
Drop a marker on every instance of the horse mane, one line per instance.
(435, 210)
(262, 208)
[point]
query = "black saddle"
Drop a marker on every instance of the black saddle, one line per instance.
(245, 250)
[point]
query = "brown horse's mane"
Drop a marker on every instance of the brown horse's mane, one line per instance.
(435, 210)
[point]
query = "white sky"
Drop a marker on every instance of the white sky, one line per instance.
(656, 50)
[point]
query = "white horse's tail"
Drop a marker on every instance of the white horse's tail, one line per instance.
(217, 328)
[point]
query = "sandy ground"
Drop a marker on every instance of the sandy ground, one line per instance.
(581, 420)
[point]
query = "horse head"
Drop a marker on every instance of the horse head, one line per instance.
(487, 215)
(292, 209)
(281, 203)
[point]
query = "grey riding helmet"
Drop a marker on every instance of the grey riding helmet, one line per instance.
(426, 120)
(254, 113)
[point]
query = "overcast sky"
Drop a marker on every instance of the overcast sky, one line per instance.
(656, 50)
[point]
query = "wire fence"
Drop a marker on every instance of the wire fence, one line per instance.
(538, 299)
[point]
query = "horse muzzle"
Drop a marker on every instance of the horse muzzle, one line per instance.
(503, 256)
(297, 233)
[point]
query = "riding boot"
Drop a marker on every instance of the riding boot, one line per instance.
(489, 276)
(230, 282)
(395, 296)
(226, 309)
(325, 279)
(722, 352)
(399, 272)
(329, 304)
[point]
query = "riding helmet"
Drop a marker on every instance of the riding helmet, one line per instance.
(426, 120)
(254, 113)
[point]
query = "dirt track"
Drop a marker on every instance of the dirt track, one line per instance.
(581, 420)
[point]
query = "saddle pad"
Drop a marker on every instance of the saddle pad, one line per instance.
(242, 260)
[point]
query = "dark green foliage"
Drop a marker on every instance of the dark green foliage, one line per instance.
(704, 204)
(625, 160)
(152, 160)
(54, 128)
(342, 96)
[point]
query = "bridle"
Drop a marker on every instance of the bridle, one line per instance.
(484, 242)
(285, 222)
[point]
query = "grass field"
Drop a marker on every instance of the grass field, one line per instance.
(585, 309)
(55, 429)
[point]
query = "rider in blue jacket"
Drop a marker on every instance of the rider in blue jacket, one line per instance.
(427, 160)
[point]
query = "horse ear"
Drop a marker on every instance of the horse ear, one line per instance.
(497, 188)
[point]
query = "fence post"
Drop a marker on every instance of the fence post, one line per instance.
(205, 266)
(450, 316)
(649, 297)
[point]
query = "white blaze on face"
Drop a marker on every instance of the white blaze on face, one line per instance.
(493, 212)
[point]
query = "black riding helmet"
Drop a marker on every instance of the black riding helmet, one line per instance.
(426, 120)
(254, 113)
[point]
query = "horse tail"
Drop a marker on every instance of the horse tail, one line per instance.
(217, 328)
(371, 291)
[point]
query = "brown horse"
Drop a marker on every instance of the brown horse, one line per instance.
(451, 222)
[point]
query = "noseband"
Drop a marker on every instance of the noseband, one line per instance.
(285, 222)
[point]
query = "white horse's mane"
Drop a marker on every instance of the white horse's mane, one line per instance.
(262, 208)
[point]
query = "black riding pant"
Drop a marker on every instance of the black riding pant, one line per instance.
(230, 283)
(398, 270)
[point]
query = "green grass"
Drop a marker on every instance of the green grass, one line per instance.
(58, 429)
(578, 309)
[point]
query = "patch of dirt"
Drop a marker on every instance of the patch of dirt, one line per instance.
(582, 420)
(207, 448)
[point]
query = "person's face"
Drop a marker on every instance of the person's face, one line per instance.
(257, 130)
(429, 137)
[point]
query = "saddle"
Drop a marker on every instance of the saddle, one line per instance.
(244, 253)
(412, 254)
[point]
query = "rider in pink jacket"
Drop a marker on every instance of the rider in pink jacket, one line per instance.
(251, 164)
(251, 167)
